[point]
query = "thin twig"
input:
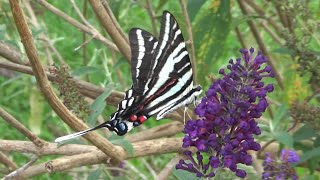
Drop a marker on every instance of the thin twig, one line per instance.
(165, 130)
(153, 17)
(10, 53)
(136, 171)
(189, 31)
(7, 162)
(22, 169)
(79, 25)
(114, 19)
(240, 38)
(167, 170)
(261, 12)
(273, 35)
(46, 89)
(150, 169)
(141, 149)
(258, 38)
(20, 127)
(47, 45)
(109, 24)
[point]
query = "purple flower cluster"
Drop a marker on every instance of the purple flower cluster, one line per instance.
(280, 169)
(227, 118)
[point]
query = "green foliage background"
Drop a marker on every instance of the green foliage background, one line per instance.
(213, 24)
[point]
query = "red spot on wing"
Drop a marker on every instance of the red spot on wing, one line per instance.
(133, 117)
(142, 119)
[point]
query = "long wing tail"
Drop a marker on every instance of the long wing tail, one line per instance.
(77, 134)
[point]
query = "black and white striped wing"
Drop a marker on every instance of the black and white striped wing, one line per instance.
(171, 84)
(143, 45)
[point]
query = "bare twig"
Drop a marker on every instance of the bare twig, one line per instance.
(240, 37)
(78, 25)
(272, 34)
(47, 45)
(141, 149)
(150, 169)
(109, 25)
(258, 38)
(114, 20)
(153, 17)
(166, 171)
(20, 127)
(47, 90)
(10, 53)
(85, 88)
(165, 130)
(136, 171)
(17, 172)
(189, 31)
(261, 12)
(7, 162)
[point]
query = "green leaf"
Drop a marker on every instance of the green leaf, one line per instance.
(193, 8)
(36, 110)
(309, 154)
(284, 50)
(3, 29)
(284, 138)
(280, 114)
(183, 175)
(94, 174)
(98, 106)
(85, 70)
(305, 132)
(310, 177)
(125, 144)
(210, 33)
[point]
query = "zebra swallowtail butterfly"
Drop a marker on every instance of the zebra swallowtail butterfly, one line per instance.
(161, 75)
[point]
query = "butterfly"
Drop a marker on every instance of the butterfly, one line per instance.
(161, 75)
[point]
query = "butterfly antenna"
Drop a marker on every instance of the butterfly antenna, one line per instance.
(77, 134)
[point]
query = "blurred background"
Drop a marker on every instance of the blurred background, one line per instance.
(287, 32)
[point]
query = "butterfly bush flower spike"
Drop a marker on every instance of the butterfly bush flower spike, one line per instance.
(280, 169)
(227, 114)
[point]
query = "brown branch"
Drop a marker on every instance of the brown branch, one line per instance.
(273, 35)
(10, 53)
(240, 38)
(47, 90)
(17, 172)
(258, 38)
(153, 17)
(114, 20)
(143, 148)
(189, 31)
(7, 162)
(261, 12)
(109, 25)
(20, 127)
(167, 170)
(79, 25)
(166, 130)
(87, 89)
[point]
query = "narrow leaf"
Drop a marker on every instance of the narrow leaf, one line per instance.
(310, 154)
(98, 106)
(284, 138)
(125, 144)
(183, 175)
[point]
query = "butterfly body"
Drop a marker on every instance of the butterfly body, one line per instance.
(161, 75)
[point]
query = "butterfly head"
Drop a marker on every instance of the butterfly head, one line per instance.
(119, 127)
